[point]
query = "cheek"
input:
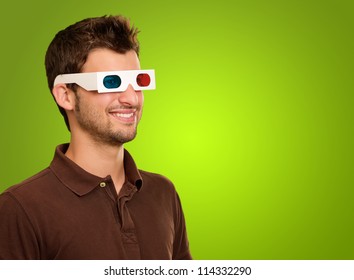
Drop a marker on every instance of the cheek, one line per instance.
(92, 107)
(100, 102)
(141, 98)
(93, 100)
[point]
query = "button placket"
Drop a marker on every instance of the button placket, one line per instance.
(128, 231)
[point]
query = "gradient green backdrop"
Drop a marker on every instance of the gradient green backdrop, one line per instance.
(252, 118)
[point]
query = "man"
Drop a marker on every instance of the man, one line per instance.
(92, 202)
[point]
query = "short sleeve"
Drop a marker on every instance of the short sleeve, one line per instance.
(181, 244)
(17, 237)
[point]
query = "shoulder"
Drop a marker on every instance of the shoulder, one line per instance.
(156, 179)
(157, 184)
(15, 200)
(31, 185)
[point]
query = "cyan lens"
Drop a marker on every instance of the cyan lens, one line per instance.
(112, 81)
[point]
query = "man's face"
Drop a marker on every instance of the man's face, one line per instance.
(109, 118)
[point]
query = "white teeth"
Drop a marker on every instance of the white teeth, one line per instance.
(123, 115)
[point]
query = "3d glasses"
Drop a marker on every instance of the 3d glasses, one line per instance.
(113, 81)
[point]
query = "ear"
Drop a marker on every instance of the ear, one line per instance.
(64, 97)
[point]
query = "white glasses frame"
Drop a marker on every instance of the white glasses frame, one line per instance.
(92, 81)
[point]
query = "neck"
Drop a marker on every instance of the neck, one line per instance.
(98, 159)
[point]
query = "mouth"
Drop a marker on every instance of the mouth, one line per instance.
(127, 116)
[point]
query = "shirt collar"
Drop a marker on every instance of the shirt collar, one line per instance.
(82, 182)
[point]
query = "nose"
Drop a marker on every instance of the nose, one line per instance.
(128, 97)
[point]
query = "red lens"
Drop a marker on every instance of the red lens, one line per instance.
(143, 80)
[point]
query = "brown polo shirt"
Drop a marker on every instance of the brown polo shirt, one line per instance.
(65, 212)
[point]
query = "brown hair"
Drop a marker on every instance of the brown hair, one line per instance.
(68, 51)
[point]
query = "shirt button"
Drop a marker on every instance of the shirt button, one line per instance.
(102, 184)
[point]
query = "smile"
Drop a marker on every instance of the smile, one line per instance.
(121, 115)
(126, 116)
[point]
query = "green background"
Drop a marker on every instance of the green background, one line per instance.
(252, 118)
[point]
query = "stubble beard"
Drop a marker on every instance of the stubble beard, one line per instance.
(102, 132)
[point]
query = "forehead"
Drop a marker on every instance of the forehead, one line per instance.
(108, 60)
